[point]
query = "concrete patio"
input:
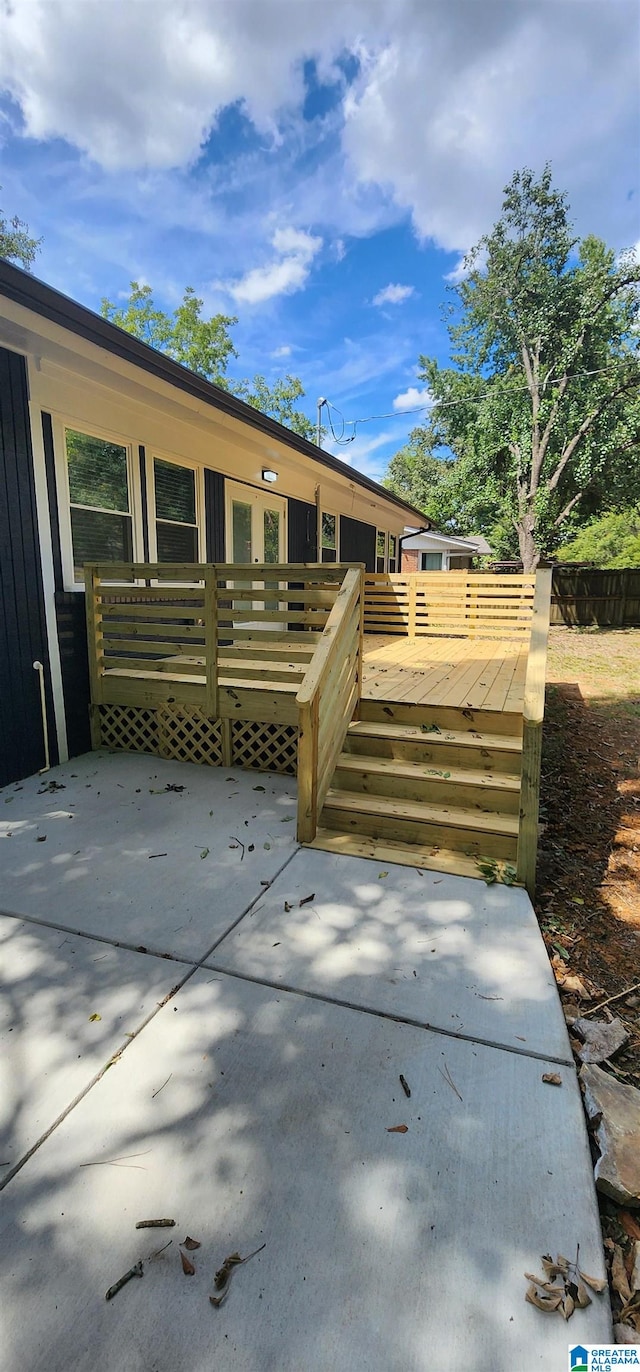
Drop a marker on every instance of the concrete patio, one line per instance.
(242, 1078)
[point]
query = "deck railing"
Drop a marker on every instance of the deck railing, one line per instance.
(449, 604)
(533, 716)
(327, 701)
(196, 633)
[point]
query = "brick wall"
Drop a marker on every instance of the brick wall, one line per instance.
(409, 560)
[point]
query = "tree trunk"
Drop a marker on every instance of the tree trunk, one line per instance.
(529, 552)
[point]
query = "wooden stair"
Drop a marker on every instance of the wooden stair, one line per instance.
(427, 787)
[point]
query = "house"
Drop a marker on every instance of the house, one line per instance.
(426, 550)
(110, 451)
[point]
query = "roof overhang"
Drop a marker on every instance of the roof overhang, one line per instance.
(31, 293)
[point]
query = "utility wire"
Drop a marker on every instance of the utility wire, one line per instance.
(442, 404)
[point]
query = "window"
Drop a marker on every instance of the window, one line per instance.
(329, 538)
(176, 523)
(431, 562)
(381, 551)
(393, 553)
(99, 496)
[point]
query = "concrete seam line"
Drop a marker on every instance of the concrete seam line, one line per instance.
(193, 968)
(139, 948)
(97, 938)
(387, 1014)
(95, 1079)
(250, 906)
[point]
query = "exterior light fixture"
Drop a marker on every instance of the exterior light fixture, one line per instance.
(268, 474)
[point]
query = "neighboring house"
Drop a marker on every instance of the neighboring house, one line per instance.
(111, 451)
(424, 550)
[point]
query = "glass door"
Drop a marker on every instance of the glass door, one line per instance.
(256, 532)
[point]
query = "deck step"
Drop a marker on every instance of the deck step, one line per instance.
(414, 733)
(507, 724)
(441, 786)
(446, 860)
(455, 817)
(440, 748)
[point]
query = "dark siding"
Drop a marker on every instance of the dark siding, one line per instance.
(358, 542)
(303, 532)
(145, 503)
(214, 516)
(71, 625)
(22, 620)
(54, 519)
(72, 638)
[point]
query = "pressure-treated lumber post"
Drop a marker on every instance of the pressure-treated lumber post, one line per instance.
(533, 715)
(211, 640)
(413, 583)
(94, 648)
(360, 666)
(308, 770)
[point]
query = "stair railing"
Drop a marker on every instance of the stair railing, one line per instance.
(327, 700)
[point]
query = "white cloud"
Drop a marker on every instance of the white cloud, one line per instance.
(285, 351)
(461, 95)
(411, 398)
(360, 453)
(286, 274)
(458, 272)
(393, 295)
(448, 99)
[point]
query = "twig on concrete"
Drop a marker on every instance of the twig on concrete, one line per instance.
(161, 1088)
(446, 1076)
(136, 1271)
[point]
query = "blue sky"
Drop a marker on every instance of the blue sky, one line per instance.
(317, 168)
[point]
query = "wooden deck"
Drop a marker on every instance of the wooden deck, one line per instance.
(408, 707)
(454, 672)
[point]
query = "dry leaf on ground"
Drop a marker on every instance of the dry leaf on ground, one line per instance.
(187, 1265)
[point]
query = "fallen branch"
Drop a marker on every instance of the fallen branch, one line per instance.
(620, 995)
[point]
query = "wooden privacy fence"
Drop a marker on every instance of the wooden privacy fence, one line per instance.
(451, 604)
(588, 595)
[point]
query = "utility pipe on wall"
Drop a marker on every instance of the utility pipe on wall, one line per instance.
(38, 667)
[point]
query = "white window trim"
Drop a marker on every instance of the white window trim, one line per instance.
(335, 516)
(150, 455)
(59, 424)
(391, 535)
(385, 536)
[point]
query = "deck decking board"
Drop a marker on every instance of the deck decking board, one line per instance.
(445, 672)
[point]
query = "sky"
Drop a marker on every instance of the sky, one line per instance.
(316, 167)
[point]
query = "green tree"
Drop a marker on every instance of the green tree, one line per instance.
(205, 346)
(202, 345)
(278, 401)
(418, 476)
(613, 540)
(540, 409)
(16, 243)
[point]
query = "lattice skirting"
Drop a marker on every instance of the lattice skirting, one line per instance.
(266, 747)
(185, 733)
